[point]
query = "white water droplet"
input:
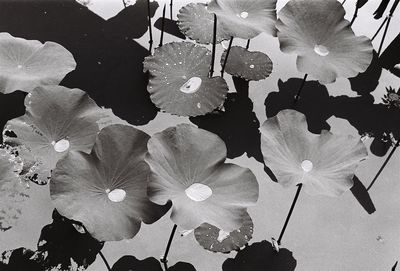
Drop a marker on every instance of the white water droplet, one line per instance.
(19, 66)
(307, 165)
(198, 192)
(321, 50)
(61, 145)
(191, 86)
(117, 195)
(251, 66)
(198, 105)
(244, 15)
(222, 235)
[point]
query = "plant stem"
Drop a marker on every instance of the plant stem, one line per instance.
(105, 261)
(299, 186)
(150, 28)
(248, 44)
(380, 28)
(170, 8)
(344, 1)
(162, 25)
(297, 97)
(384, 164)
(355, 13)
(226, 56)
(211, 73)
(171, 237)
(124, 3)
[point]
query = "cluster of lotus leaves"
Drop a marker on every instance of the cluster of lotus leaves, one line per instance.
(27, 64)
(324, 163)
(188, 168)
(323, 40)
(57, 120)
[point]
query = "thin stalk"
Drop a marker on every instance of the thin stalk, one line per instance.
(162, 25)
(248, 44)
(380, 28)
(299, 186)
(355, 14)
(124, 3)
(226, 57)
(297, 97)
(149, 25)
(105, 261)
(170, 8)
(384, 164)
(344, 1)
(211, 73)
(384, 35)
(171, 237)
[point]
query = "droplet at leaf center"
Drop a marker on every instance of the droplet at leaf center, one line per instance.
(321, 50)
(198, 192)
(307, 165)
(191, 86)
(244, 15)
(222, 235)
(116, 195)
(61, 145)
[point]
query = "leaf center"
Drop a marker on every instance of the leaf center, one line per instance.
(321, 50)
(61, 145)
(191, 86)
(117, 195)
(198, 192)
(307, 165)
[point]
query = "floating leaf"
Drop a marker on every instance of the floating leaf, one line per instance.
(27, 64)
(245, 18)
(188, 169)
(127, 263)
(12, 190)
(179, 82)
(323, 40)
(57, 120)
(106, 189)
(19, 259)
(324, 164)
(217, 240)
(247, 65)
(197, 23)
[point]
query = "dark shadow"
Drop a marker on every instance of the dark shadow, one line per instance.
(391, 56)
(60, 242)
(19, 259)
(366, 82)
(170, 27)
(127, 263)
(394, 266)
(109, 62)
(261, 257)
(237, 124)
(11, 106)
(182, 266)
(361, 194)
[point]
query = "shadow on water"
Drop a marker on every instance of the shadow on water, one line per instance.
(109, 62)
(261, 257)
(128, 262)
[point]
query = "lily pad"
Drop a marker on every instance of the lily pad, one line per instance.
(106, 189)
(245, 18)
(13, 192)
(27, 64)
(197, 23)
(323, 40)
(217, 240)
(324, 163)
(252, 66)
(57, 120)
(188, 168)
(179, 82)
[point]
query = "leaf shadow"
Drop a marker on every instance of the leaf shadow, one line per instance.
(170, 27)
(360, 192)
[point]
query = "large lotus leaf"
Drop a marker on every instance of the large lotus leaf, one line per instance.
(323, 40)
(179, 82)
(188, 169)
(13, 192)
(245, 18)
(106, 189)
(27, 64)
(197, 23)
(324, 164)
(247, 65)
(216, 240)
(57, 119)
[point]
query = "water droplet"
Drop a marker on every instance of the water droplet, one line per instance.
(198, 192)
(244, 15)
(321, 50)
(191, 86)
(19, 66)
(307, 165)
(61, 145)
(251, 66)
(199, 105)
(222, 235)
(117, 195)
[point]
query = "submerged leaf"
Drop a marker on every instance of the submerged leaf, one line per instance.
(323, 40)
(57, 120)
(106, 189)
(188, 168)
(245, 18)
(247, 65)
(216, 240)
(27, 64)
(179, 82)
(197, 23)
(324, 164)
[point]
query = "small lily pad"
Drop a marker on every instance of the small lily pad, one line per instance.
(197, 23)
(27, 64)
(216, 240)
(179, 82)
(252, 66)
